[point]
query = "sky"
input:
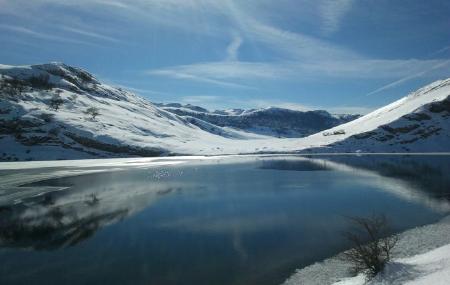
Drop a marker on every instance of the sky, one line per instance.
(345, 56)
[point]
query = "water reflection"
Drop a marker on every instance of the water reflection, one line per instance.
(420, 179)
(426, 173)
(58, 216)
(296, 164)
(220, 223)
(49, 228)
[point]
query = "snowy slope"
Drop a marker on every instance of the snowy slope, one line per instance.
(127, 125)
(271, 121)
(32, 128)
(420, 256)
(432, 267)
(419, 122)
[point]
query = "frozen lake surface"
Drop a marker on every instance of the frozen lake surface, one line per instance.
(249, 220)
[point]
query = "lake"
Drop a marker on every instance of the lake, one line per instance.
(249, 220)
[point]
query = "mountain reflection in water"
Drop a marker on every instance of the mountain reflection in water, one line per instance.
(241, 222)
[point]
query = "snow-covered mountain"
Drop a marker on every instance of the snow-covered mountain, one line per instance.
(419, 122)
(272, 121)
(54, 111)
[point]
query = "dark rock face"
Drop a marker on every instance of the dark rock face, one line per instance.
(276, 122)
(120, 149)
(439, 107)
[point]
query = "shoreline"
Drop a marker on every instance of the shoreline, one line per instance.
(411, 242)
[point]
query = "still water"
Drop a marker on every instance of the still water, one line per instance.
(222, 221)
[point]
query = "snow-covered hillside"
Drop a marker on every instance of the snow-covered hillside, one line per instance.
(271, 121)
(419, 122)
(48, 112)
(54, 111)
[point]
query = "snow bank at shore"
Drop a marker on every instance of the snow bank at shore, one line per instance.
(422, 256)
(432, 267)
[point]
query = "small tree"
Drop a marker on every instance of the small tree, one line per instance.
(17, 85)
(41, 81)
(371, 243)
(56, 102)
(92, 112)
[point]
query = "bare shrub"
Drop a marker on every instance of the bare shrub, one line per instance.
(56, 102)
(372, 245)
(92, 112)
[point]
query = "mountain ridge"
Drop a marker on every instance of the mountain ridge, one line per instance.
(55, 111)
(271, 121)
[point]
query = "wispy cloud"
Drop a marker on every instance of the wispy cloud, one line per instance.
(232, 49)
(409, 77)
(296, 45)
(197, 73)
(39, 35)
(332, 13)
(304, 57)
(90, 34)
(115, 4)
(226, 72)
(440, 51)
(200, 99)
(210, 17)
(223, 70)
(287, 53)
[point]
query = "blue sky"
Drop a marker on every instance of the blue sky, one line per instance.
(341, 55)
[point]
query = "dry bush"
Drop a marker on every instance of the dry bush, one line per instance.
(92, 112)
(55, 102)
(371, 243)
